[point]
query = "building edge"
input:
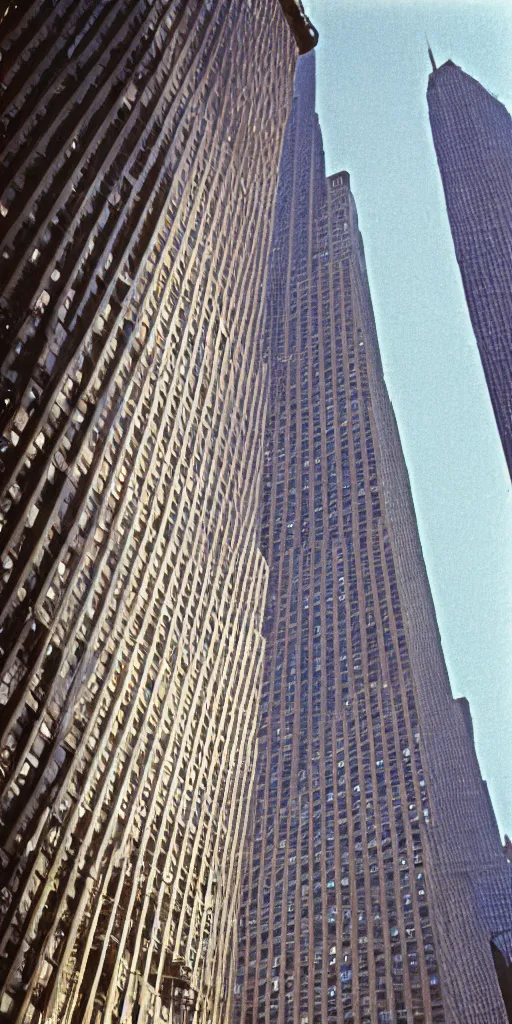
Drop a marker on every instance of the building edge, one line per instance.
(471, 877)
(304, 32)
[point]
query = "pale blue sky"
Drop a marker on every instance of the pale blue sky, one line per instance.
(372, 72)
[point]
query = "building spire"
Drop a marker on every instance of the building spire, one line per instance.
(431, 55)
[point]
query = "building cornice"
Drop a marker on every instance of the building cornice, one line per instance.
(304, 32)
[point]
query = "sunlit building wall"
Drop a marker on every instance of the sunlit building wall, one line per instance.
(140, 145)
(376, 880)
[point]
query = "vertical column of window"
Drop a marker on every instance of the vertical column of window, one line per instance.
(291, 450)
(315, 891)
(306, 456)
(331, 440)
(350, 987)
(304, 922)
(417, 798)
(305, 664)
(342, 324)
(341, 638)
(304, 785)
(329, 756)
(379, 842)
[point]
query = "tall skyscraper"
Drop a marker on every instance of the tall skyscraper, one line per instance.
(140, 142)
(376, 880)
(472, 134)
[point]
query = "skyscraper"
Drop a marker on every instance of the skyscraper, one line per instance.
(375, 880)
(472, 134)
(140, 142)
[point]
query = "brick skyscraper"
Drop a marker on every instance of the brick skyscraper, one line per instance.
(472, 134)
(140, 143)
(376, 878)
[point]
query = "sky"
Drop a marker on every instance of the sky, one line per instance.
(372, 73)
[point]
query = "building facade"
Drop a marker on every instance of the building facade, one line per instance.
(472, 134)
(137, 190)
(375, 877)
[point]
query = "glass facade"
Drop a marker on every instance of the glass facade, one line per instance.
(352, 824)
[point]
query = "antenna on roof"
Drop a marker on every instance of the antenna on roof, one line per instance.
(431, 55)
